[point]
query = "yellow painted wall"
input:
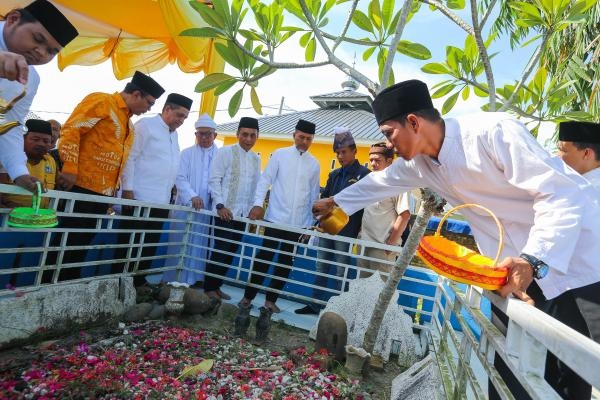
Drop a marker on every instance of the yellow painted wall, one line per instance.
(322, 152)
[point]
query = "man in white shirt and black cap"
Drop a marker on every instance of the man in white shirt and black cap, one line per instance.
(150, 172)
(233, 178)
(550, 213)
(193, 191)
(29, 36)
(579, 147)
(292, 179)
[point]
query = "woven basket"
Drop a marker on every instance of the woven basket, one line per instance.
(460, 263)
(34, 216)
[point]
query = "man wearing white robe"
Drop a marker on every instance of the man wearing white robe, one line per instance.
(550, 213)
(292, 175)
(579, 147)
(150, 172)
(233, 178)
(193, 191)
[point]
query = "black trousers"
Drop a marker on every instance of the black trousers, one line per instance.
(76, 239)
(218, 255)
(265, 257)
(149, 238)
(579, 309)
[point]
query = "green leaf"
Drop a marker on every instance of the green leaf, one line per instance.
(368, 53)
(479, 93)
(206, 32)
(435, 68)
(255, 101)
(225, 86)
(539, 80)
(211, 81)
(207, 14)
(444, 90)
(414, 50)
(456, 4)
(311, 50)
(360, 19)
(251, 35)
(449, 103)
(387, 10)
(465, 93)
(375, 14)
(229, 55)
(454, 57)
(305, 38)
(234, 103)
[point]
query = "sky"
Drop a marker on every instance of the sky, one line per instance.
(60, 92)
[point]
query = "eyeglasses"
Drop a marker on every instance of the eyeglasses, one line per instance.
(150, 102)
(205, 133)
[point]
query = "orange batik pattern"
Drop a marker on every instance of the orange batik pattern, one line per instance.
(460, 263)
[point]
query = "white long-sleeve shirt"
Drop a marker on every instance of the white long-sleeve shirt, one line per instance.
(233, 178)
(153, 161)
(594, 177)
(194, 174)
(547, 210)
(293, 178)
(12, 154)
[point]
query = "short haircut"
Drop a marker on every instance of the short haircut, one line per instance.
(429, 114)
(383, 149)
(593, 146)
(26, 16)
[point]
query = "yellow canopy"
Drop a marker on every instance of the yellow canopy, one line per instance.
(136, 35)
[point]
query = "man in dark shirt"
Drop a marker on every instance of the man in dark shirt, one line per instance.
(351, 171)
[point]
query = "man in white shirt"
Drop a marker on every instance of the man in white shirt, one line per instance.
(292, 175)
(579, 147)
(550, 213)
(383, 221)
(29, 36)
(232, 184)
(193, 191)
(150, 172)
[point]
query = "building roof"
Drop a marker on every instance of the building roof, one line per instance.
(347, 108)
(361, 123)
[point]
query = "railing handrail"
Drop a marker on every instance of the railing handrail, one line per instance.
(529, 334)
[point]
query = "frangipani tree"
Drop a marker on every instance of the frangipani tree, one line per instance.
(560, 81)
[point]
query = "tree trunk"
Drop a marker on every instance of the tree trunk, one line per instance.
(432, 203)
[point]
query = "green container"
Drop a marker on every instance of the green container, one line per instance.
(34, 216)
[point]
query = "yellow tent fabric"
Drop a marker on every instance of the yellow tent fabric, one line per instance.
(135, 35)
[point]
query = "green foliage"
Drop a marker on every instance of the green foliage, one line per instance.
(560, 81)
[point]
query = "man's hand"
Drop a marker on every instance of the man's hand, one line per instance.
(28, 182)
(65, 181)
(225, 214)
(13, 67)
(520, 276)
(197, 203)
(127, 194)
(323, 207)
(256, 212)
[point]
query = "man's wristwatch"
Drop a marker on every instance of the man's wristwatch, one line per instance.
(540, 268)
(219, 206)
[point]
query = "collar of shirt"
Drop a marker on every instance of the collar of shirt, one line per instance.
(121, 102)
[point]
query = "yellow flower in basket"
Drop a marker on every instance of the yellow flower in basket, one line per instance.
(460, 263)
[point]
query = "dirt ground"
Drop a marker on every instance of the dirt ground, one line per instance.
(282, 338)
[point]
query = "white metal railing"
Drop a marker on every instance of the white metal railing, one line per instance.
(463, 339)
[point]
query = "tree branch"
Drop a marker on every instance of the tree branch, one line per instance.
(342, 35)
(487, 13)
(489, 74)
(453, 17)
(392, 49)
(528, 70)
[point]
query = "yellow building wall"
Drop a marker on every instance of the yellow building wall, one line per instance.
(321, 151)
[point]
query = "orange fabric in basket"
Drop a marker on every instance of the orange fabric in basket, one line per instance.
(461, 264)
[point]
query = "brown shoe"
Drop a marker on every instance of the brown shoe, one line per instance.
(272, 306)
(223, 295)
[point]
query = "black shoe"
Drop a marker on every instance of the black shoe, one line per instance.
(306, 310)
